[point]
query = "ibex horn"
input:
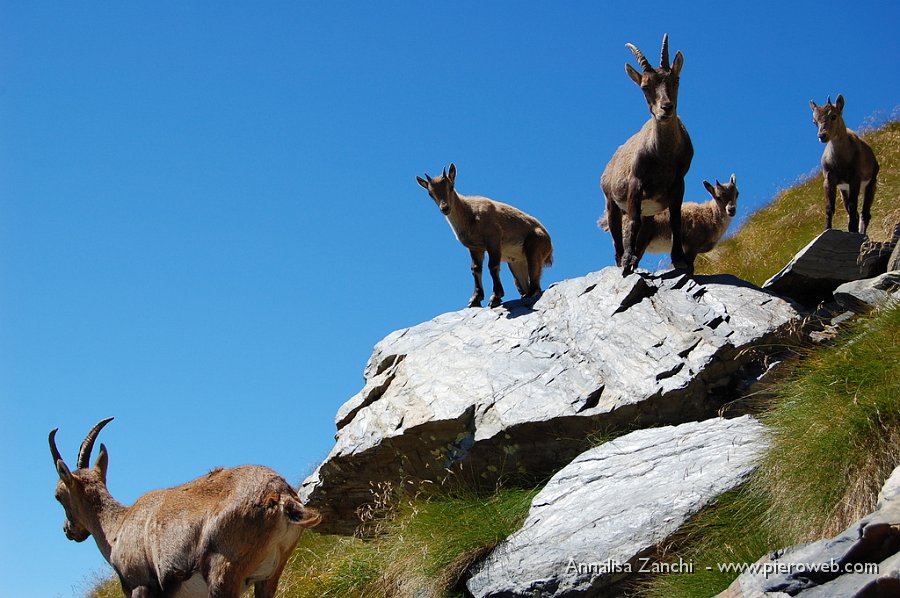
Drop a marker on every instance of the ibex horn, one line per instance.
(427, 177)
(84, 453)
(829, 100)
(642, 60)
(53, 450)
(664, 54)
(444, 172)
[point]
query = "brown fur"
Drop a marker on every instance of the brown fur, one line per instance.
(702, 225)
(504, 232)
(848, 164)
(229, 526)
(646, 175)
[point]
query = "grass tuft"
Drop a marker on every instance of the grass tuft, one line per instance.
(423, 546)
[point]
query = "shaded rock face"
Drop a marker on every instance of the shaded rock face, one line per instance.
(835, 566)
(595, 519)
(828, 261)
(491, 393)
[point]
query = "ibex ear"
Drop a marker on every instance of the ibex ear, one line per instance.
(452, 174)
(64, 474)
(634, 74)
(812, 105)
(733, 179)
(422, 182)
(678, 63)
(709, 188)
(839, 103)
(102, 462)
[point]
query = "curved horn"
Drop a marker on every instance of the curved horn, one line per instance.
(664, 54)
(642, 60)
(84, 453)
(53, 450)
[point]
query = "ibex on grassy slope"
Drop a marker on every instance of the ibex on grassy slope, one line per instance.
(507, 234)
(848, 163)
(702, 225)
(212, 537)
(646, 175)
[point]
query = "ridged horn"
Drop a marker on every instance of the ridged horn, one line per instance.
(642, 60)
(53, 450)
(664, 53)
(84, 453)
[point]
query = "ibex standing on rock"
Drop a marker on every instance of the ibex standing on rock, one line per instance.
(213, 537)
(646, 175)
(507, 234)
(848, 164)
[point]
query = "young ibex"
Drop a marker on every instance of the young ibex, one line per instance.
(507, 234)
(646, 175)
(702, 225)
(848, 164)
(212, 537)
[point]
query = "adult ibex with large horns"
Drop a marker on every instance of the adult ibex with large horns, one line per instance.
(213, 537)
(646, 175)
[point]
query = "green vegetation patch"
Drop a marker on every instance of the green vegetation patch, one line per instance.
(421, 546)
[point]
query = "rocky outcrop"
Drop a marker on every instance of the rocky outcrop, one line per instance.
(875, 256)
(862, 295)
(493, 393)
(828, 261)
(594, 521)
(864, 560)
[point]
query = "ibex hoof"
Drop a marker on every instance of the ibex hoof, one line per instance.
(474, 303)
(495, 301)
(683, 265)
(629, 264)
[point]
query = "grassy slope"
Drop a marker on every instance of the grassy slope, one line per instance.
(838, 399)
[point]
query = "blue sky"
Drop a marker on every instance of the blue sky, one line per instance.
(209, 214)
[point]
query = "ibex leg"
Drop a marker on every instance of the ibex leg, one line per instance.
(614, 220)
(494, 267)
(477, 261)
(830, 192)
(850, 196)
(868, 198)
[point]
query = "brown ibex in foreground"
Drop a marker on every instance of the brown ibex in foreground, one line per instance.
(702, 225)
(646, 175)
(213, 537)
(507, 234)
(848, 163)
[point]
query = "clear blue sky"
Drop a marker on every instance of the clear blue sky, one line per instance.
(209, 214)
